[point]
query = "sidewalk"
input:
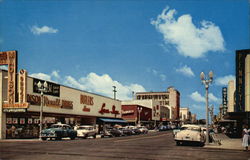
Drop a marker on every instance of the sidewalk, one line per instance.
(226, 143)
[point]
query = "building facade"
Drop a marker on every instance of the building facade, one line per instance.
(60, 104)
(136, 114)
(185, 115)
(154, 106)
(169, 99)
(230, 96)
(241, 111)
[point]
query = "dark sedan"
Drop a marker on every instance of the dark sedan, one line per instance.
(59, 131)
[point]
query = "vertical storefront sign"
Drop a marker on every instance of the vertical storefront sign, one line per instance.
(22, 86)
(224, 100)
(240, 80)
(9, 58)
(12, 69)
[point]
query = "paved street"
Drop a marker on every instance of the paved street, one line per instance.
(157, 145)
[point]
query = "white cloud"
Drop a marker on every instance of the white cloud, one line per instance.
(223, 81)
(162, 77)
(41, 76)
(42, 30)
(100, 84)
(55, 74)
(185, 70)
(156, 73)
(212, 98)
(189, 40)
(196, 96)
(103, 85)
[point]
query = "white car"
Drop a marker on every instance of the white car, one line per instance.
(190, 133)
(84, 131)
(143, 129)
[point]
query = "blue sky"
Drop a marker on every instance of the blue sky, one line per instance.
(137, 45)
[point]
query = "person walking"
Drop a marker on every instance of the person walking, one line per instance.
(245, 138)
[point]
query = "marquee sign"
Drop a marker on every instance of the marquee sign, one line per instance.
(10, 58)
(53, 89)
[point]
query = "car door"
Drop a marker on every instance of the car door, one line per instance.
(64, 131)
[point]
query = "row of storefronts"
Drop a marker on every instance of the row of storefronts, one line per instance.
(20, 114)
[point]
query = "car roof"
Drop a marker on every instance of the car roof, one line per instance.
(85, 126)
(59, 124)
(191, 125)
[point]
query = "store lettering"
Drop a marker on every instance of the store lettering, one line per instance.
(56, 103)
(88, 100)
(3, 58)
(52, 103)
(104, 110)
(128, 112)
(67, 104)
(86, 109)
(34, 99)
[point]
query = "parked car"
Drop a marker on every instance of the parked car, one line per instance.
(190, 133)
(183, 127)
(163, 128)
(115, 132)
(143, 129)
(125, 131)
(105, 133)
(134, 129)
(58, 131)
(84, 131)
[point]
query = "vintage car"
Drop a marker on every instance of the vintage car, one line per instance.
(125, 131)
(143, 129)
(84, 131)
(105, 133)
(58, 131)
(183, 127)
(190, 133)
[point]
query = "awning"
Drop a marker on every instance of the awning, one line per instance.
(115, 120)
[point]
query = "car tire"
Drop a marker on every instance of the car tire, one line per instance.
(43, 138)
(73, 137)
(178, 143)
(58, 138)
(86, 136)
(94, 135)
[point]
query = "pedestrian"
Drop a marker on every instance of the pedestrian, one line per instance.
(245, 135)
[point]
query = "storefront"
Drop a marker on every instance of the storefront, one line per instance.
(136, 114)
(60, 104)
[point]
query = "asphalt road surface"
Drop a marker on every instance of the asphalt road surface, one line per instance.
(152, 146)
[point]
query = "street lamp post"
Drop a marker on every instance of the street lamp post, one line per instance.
(42, 88)
(211, 110)
(206, 82)
(114, 92)
(139, 117)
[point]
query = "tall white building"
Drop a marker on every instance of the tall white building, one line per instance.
(230, 96)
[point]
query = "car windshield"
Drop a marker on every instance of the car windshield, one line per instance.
(56, 126)
(195, 129)
(190, 128)
(83, 128)
(183, 128)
